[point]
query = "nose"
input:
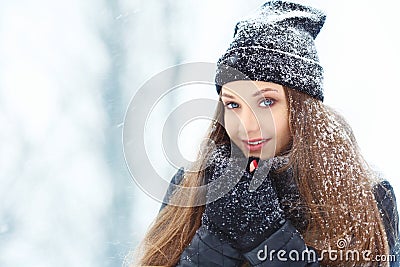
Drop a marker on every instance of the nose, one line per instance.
(250, 122)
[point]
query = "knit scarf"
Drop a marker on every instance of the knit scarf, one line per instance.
(227, 165)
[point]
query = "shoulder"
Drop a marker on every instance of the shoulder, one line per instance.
(386, 201)
(384, 195)
(178, 176)
(176, 179)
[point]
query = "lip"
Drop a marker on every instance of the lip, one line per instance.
(255, 147)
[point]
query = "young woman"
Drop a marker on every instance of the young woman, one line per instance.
(286, 183)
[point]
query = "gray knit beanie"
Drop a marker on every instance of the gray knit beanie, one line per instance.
(276, 45)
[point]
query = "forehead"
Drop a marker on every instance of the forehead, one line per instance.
(247, 89)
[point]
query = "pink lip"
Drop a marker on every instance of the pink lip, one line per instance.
(255, 147)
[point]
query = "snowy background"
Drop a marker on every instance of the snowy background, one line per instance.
(68, 70)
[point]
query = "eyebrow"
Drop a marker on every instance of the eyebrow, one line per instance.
(259, 92)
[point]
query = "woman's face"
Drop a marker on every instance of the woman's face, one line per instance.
(256, 117)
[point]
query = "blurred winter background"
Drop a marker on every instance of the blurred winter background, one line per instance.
(68, 70)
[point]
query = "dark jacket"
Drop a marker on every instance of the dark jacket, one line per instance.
(205, 249)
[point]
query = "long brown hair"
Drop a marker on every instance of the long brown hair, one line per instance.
(334, 181)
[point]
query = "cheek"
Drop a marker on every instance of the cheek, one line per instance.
(267, 124)
(231, 123)
(282, 128)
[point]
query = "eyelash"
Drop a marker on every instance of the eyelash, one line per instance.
(271, 100)
(227, 105)
(267, 99)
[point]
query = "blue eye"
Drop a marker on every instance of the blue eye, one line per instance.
(231, 105)
(267, 102)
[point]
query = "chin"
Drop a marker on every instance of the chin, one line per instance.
(263, 155)
(268, 156)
